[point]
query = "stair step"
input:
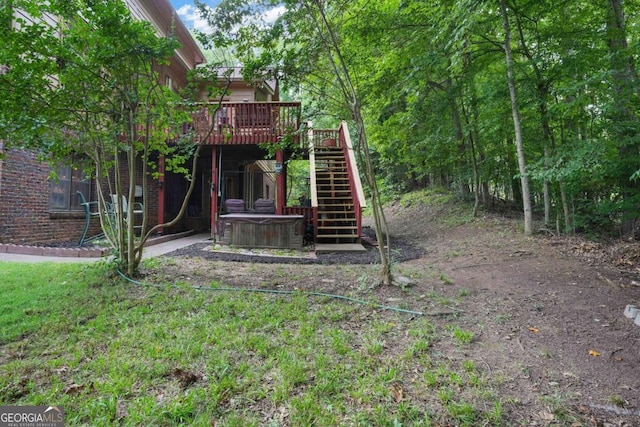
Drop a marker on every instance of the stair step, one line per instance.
(342, 207)
(329, 155)
(331, 161)
(336, 219)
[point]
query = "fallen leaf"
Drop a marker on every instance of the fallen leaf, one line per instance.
(534, 330)
(593, 353)
(397, 392)
(186, 378)
(73, 388)
(546, 416)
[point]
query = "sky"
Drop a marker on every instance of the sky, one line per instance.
(189, 15)
(187, 12)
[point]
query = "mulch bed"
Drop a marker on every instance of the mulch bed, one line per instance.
(401, 251)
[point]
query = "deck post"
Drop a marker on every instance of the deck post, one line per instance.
(281, 180)
(214, 191)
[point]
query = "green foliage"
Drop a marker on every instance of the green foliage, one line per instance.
(87, 90)
(435, 100)
(288, 142)
(430, 196)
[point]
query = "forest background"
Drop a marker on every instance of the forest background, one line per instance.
(444, 102)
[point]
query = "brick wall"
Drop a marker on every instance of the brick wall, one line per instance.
(25, 216)
(24, 203)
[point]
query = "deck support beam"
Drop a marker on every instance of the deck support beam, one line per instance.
(214, 191)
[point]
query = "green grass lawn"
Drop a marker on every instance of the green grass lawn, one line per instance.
(111, 352)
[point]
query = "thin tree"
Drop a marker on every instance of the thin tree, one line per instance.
(522, 165)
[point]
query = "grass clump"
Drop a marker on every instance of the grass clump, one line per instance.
(116, 353)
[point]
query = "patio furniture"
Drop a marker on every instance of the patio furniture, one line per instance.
(234, 206)
(265, 206)
(89, 213)
(138, 208)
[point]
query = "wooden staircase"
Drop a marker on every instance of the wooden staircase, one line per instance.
(337, 221)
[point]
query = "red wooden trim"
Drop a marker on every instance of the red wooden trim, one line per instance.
(315, 222)
(306, 211)
(214, 191)
(245, 122)
(354, 195)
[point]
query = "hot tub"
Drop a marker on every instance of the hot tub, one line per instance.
(254, 230)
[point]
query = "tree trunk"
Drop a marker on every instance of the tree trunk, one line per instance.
(625, 89)
(343, 76)
(546, 193)
(524, 181)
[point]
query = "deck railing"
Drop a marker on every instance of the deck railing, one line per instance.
(245, 122)
(324, 137)
(307, 211)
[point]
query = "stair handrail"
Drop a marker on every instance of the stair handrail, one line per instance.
(353, 165)
(312, 168)
(312, 178)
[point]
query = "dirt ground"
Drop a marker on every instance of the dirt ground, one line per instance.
(546, 311)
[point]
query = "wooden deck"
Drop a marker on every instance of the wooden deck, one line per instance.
(330, 248)
(245, 122)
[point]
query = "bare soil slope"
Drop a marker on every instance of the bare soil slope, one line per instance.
(548, 311)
